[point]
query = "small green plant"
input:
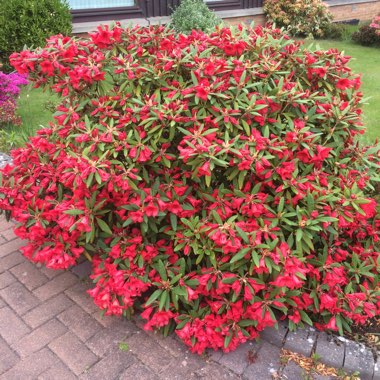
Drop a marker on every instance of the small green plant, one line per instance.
(30, 22)
(123, 346)
(193, 15)
(9, 141)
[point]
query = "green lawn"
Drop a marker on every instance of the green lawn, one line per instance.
(33, 107)
(365, 60)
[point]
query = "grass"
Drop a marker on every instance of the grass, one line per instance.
(33, 108)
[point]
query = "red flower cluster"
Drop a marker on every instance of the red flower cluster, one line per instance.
(215, 180)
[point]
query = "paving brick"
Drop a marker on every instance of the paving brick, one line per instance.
(47, 310)
(238, 360)
(82, 270)
(4, 225)
(78, 293)
(214, 355)
(359, 358)
(106, 320)
(6, 279)
(12, 327)
(301, 341)
(29, 275)
(293, 371)
(275, 336)
(11, 246)
(330, 350)
(110, 366)
(2, 240)
(138, 371)
(8, 358)
(49, 273)
(267, 363)
(73, 353)
(169, 343)
(31, 366)
(19, 298)
(79, 322)
(56, 285)
(39, 338)
(185, 367)
(109, 338)
(58, 372)
(11, 260)
(148, 352)
(8, 234)
(214, 371)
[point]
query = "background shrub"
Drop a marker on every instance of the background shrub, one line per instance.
(30, 22)
(367, 35)
(193, 15)
(10, 87)
(212, 179)
(299, 17)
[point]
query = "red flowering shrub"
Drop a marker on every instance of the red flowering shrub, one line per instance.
(214, 179)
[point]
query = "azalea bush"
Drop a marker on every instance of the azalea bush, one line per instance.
(300, 17)
(10, 87)
(214, 180)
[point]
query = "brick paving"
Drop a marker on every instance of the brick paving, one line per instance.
(50, 329)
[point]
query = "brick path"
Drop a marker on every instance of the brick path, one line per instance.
(50, 329)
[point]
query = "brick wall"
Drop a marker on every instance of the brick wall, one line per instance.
(362, 11)
(257, 19)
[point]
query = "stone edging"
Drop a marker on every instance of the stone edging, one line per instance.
(4, 159)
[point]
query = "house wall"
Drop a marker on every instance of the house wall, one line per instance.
(362, 10)
(342, 10)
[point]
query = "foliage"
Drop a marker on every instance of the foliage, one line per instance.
(193, 15)
(369, 34)
(30, 22)
(10, 87)
(213, 179)
(299, 17)
(338, 31)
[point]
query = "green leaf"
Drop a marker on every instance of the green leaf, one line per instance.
(240, 255)
(339, 324)
(162, 270)
(173, 221)
(306, 318)
(74, 212)
(227, 340)
(163, 299)
(153, 297)
(104, 226)
(242, 234)
(299, 235)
